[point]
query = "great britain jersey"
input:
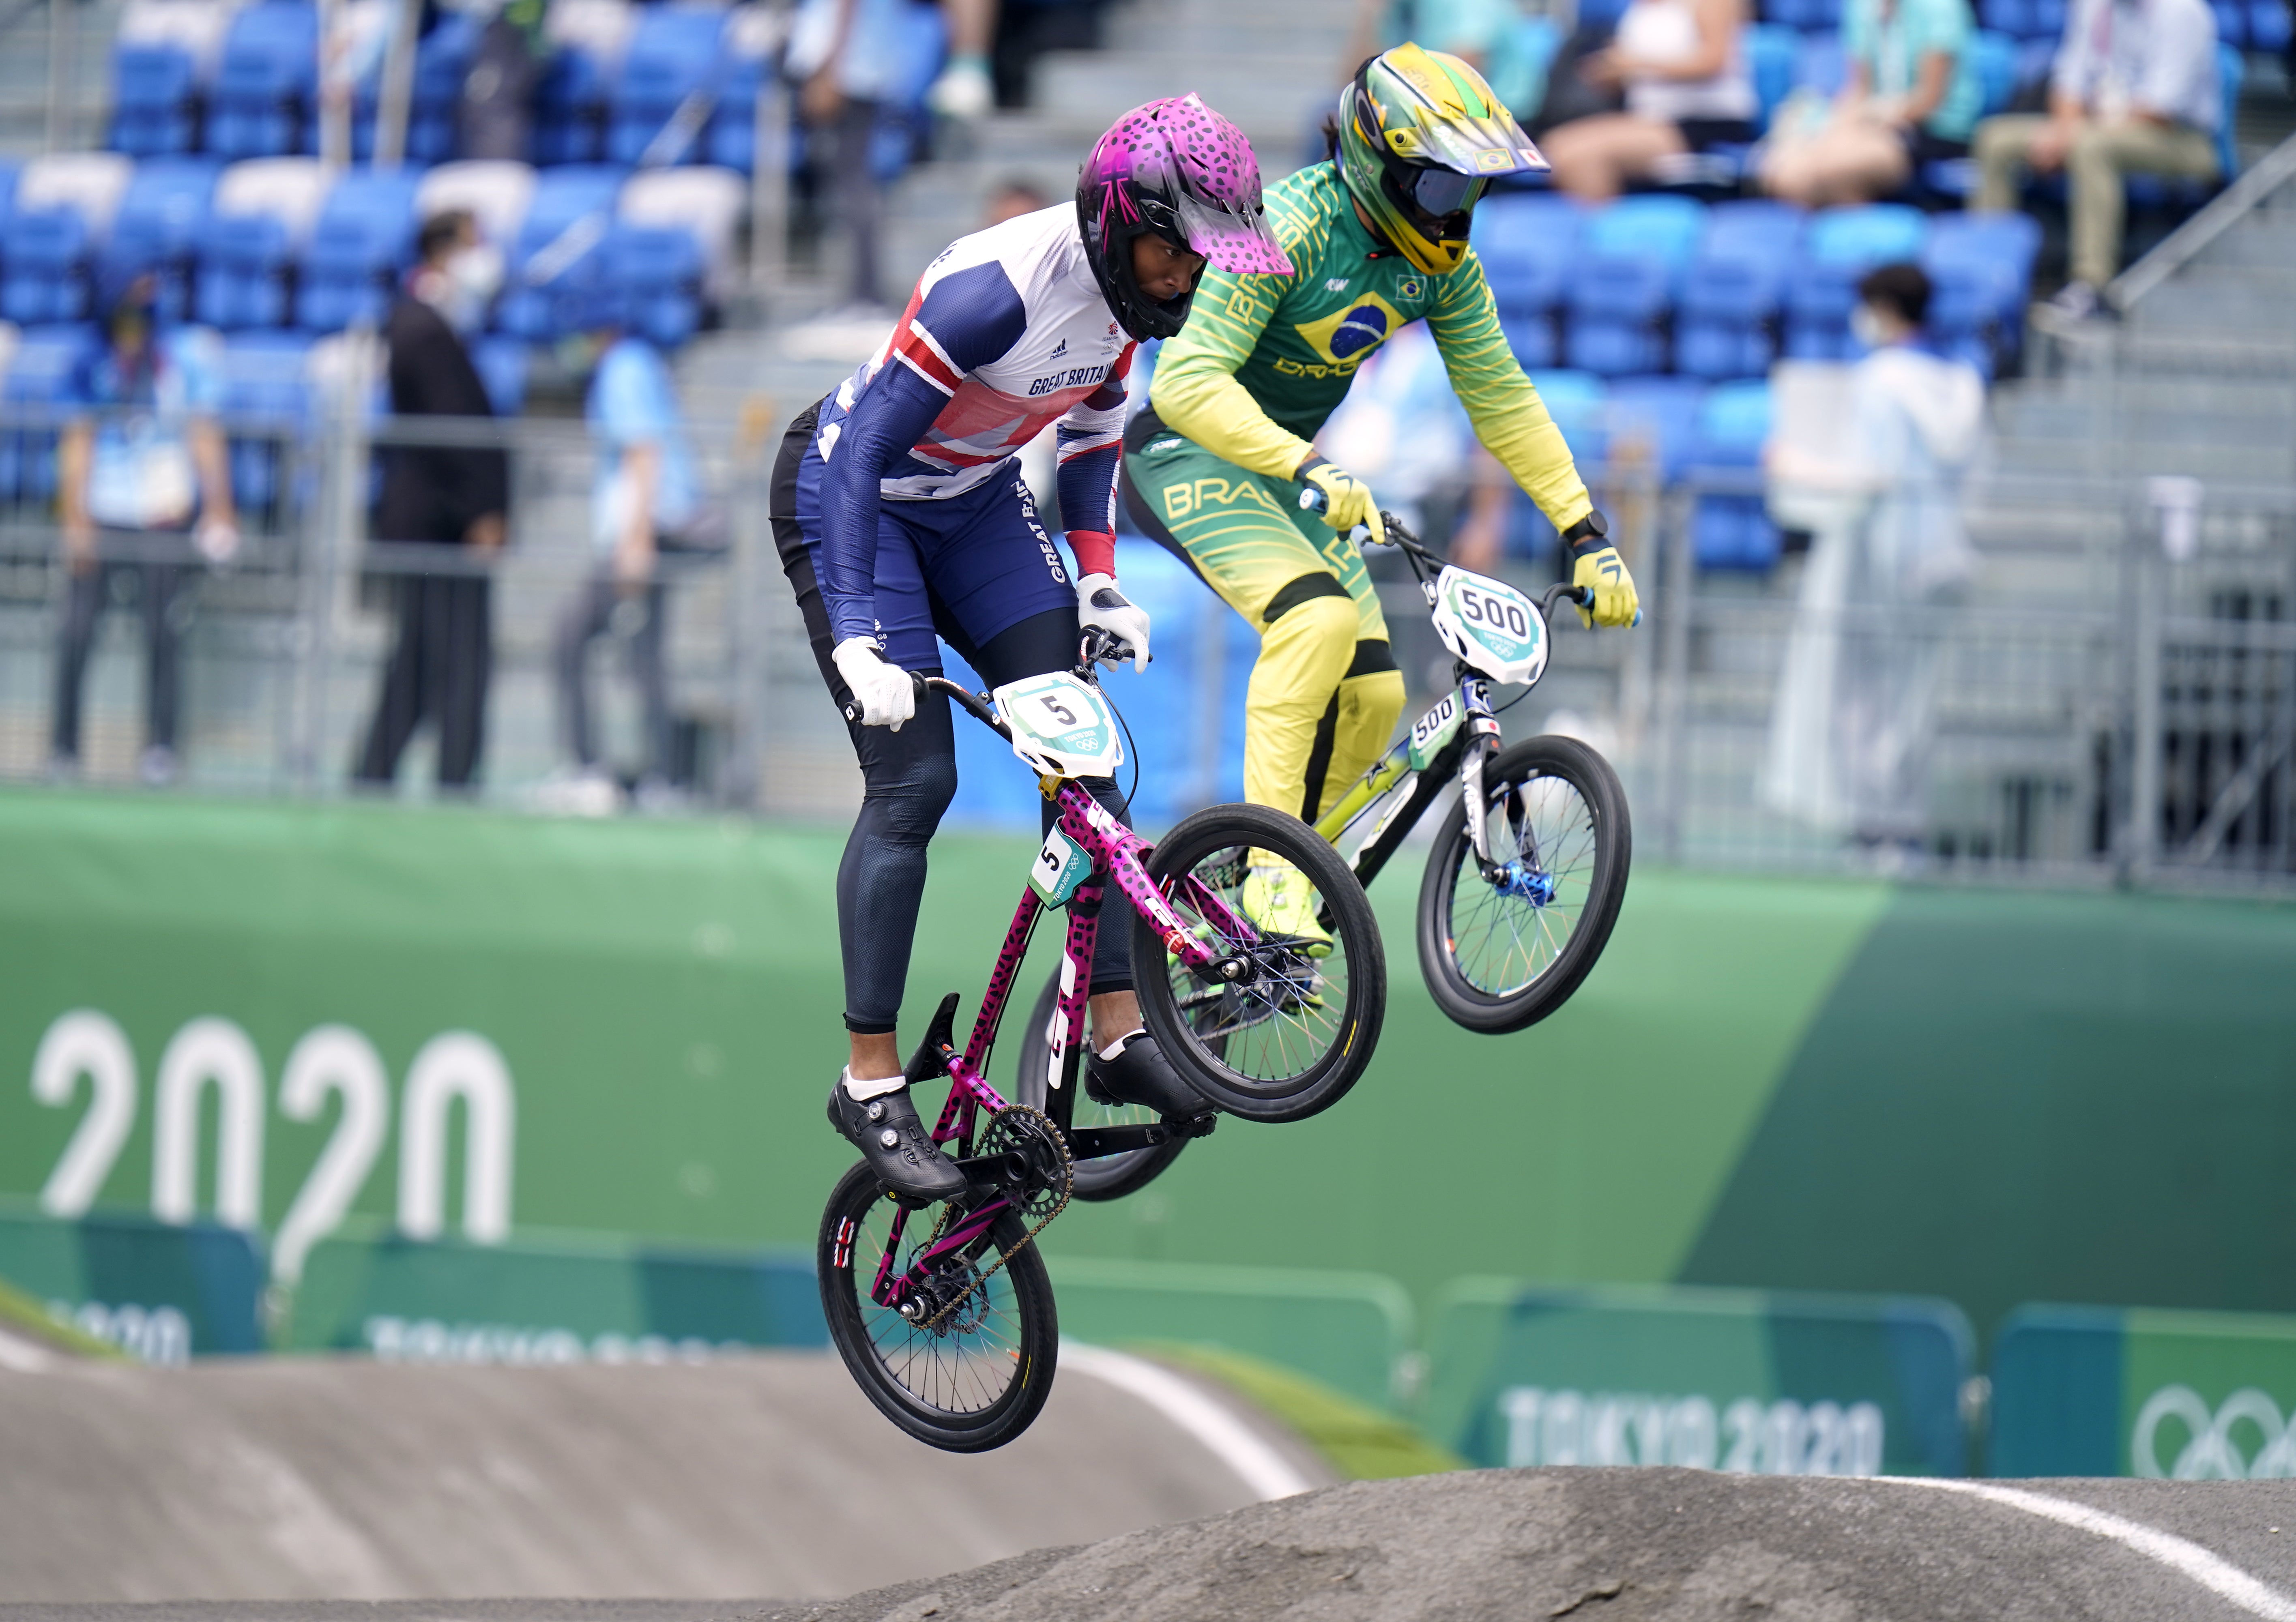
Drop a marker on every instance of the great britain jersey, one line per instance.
(1007, 332)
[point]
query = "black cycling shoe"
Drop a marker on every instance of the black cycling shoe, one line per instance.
(892, 1139)
(1141, 1075)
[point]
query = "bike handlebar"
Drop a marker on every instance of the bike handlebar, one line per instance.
(1096, 644)
(1399, 535)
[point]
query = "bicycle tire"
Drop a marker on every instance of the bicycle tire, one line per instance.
(1493, 1005)
(1105, 1177)
(1030, 1360)
(1212, 1064)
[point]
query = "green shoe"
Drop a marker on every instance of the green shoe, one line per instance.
(1277, 897)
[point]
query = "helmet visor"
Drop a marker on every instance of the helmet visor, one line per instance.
(1232, 236)
(1440, 191)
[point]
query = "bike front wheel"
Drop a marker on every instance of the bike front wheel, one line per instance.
(976, 1376)
(1503, 947)
(1294, 1035)
(1110, 1176)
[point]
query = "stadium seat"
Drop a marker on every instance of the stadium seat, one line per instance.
(1839, 248)
(587, 39)
(1651, 421)
(2269, 26)
(502, 366)
(163, 55)
(1770, 49)
(1727, 319)
(1819, 66)
(39, 372)
(750, 47)
(263, 213)
(1576, 400)
(1728, 529)
(89, 183)
(497, 193)
(261, 104)
(658, 270)
(159, 226)
(706, 203)
(1981, 266)
(1526, 243)
(267, 392)
(661, 107)
(2149, 191)
(442, 62)
(364, 237)
(64, 209)
(1622, 282)
(555, 253)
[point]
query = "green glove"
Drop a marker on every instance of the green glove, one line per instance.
(1347, 499)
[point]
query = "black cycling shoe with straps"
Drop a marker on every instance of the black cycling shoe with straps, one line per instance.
(1141, 1075)
(892, 1139)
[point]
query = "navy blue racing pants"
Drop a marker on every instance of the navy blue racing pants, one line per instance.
(979, 572)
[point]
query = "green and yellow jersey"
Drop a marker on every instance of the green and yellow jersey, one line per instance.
(1264, 359)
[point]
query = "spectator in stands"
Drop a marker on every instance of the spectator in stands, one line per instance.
(142, 462)
(2134, 90)
(1011, 199)
(1856, 712)
(647, 501)
(1911, 96)
(843, 53)
(1485, 33)
(497, 110)
(446, 494)
(1687, 91)
(965, 89)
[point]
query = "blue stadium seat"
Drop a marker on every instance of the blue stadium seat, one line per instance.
(1840, 247)
(1808, 16)
(46, 276)
(1578, 402)
(364, 236)
(1770, 49)
(903, 122)
(1527, 243)
(501, 366)
(1981, 266)
(442, 62)
(267, 391)
(1727, 319)
(569, 108)
(2269, 26)
(1655, 418)
(661, 104)
(556, 254)
(246, 262)
(38, 376)
(1994, 56)
(261, 104)
(1622, 282)
(656, 271)
(159, 225)
(153, 91)
(1730, 531)
(2149, 191)
(1819, 65)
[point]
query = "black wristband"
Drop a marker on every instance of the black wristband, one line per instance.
(1591, 532)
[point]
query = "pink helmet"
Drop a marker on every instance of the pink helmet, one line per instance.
(1175, 168)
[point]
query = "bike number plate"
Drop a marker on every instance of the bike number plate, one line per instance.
(1060, 866)
(1490, 625)
(1430, 731)
(1061, 725)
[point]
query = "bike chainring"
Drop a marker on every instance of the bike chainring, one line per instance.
(1015, 1129)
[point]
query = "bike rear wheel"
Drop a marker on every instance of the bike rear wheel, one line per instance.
(1504, 952)
(1104, 1176)
(978, 1380)
(1294, 1037)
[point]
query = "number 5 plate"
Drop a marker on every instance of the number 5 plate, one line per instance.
(1490, 625)
(1061, 726)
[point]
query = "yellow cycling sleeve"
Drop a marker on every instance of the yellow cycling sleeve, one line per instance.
(1509, 417)
(1194, 391)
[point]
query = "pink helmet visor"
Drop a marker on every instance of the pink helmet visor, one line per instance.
(1180, 150)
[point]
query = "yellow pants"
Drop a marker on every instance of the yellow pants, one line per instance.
(1325, 693)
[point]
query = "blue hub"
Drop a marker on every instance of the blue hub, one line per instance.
(1523, 882)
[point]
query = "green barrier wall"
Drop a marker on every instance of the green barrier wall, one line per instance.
(1349, 1330)
(2098, 1391)
(1994, 1098)
(565, 1299)
(1735, 1380)
(160, 1292)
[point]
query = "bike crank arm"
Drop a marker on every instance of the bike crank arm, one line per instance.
(1092, 1143)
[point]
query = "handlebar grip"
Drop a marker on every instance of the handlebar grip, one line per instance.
(1312, 499)
(921, 683)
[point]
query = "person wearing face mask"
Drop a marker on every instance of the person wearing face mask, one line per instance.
(1856, 712)
(441, 495)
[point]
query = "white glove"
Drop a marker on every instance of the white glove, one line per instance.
(1100, 604)
(218, 540)
(884, 692)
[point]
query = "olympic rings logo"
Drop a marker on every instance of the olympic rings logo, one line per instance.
(2212, 1452)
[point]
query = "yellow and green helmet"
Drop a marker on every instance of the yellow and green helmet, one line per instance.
(1421, 138)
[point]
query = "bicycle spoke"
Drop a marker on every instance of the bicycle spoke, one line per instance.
(1503, 941)
(970, 1362)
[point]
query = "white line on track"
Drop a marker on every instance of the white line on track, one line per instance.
(2219, 1575)
(1265, 1472)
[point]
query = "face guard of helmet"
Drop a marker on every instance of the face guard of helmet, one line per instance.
(1421, 138)
(1175, 169)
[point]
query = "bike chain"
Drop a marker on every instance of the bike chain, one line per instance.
(1068, 1187)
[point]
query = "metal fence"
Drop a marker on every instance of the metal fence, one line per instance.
(2116, 696)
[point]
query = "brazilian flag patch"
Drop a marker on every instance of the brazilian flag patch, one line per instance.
(1345, 337)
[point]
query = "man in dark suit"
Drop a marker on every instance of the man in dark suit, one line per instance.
(442, 494)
